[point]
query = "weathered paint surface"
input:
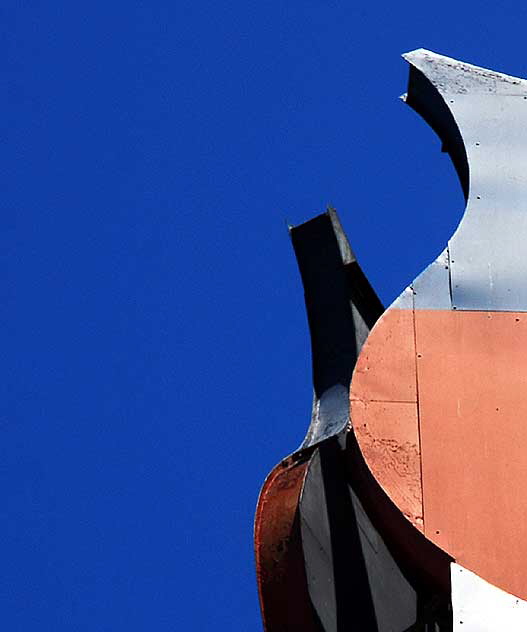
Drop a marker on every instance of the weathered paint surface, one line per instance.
(436, 395)
(384, 411)
(388, 435)
(461, 342)
(481, 607)
(342, 308)
(422, 559)
(280, 570)
(456, 456)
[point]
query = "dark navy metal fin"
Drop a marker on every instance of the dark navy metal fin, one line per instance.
(341, 309)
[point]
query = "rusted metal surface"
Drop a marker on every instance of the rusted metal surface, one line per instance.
(341, 307)
(280, 570)
(435, 461)
(439, 392)
(472, 374)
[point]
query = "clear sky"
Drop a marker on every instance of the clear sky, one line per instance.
(155, 350)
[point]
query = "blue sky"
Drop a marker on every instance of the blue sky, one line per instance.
(155, 350)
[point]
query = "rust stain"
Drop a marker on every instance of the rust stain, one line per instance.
(280, 570)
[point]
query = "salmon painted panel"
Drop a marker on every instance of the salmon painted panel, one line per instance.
(438, 397)
(384, 411)
(472, 375)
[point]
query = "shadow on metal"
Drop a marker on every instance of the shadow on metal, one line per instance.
(358, 573)
(332, 553)
(280, 569)
(423, 97)
(425, 566)
(341, 309)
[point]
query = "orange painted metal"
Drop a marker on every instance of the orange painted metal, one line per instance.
(388, 435)
(385, 370)
(280, 570)
(472, 375)
(460, 448)
(384, 411)
(420, 557)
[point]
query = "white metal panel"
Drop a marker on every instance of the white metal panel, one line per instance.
(405, 300)
(481, 607)
(330, 415)
(487, 252)
(451, 76)
(432, 287)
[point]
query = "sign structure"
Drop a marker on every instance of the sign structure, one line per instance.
(405, 508)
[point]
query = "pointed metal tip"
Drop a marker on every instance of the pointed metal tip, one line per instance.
(404, 97)
(331, 212)
(417, 52)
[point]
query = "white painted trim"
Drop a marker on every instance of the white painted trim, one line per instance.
(481, 607)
